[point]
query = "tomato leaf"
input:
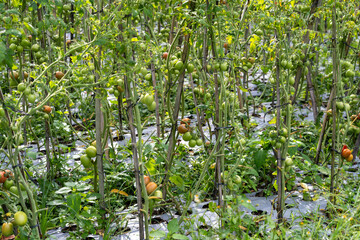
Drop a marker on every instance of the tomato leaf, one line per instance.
(178, 181)
(173, 226)
(179, 236)
(157, 234)
(63, 190)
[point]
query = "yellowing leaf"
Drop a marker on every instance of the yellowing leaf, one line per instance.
(119, 192)
(134, 39)
(52, 84)
(273, 121)
(229, 39)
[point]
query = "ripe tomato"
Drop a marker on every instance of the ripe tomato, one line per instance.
(59, 75)
(47, 109)
(226, 45)
(146, 180)
(3, 176)
(151, 187)
(165, 55)
(7, 229)
(20, 218)
(346, 153)
(90, 151)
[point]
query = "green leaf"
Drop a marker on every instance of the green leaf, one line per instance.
(173, 226)
(56, 203)
(150, 165)
(63, 190)
(244, 201)
(179, 236)
(31, 155)
(74, 202)
(260, 158)
(178, 181)
(157, 234)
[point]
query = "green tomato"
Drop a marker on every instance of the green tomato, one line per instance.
(152, 107)
(190, 68)
(143, 71)
(224, 66)
(288, 161)
(14, 190)
(148, 99)
(20, 218)
(7, 229)
(192, 143)
(2, 112)
(187, 136)
(179, 64)
(237, 179)
(148, 77)
(199, 142)
(86, 161)
(90, 151)
(21, 87)
(35, 47)
(8, 184)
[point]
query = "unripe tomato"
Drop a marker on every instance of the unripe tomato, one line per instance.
(199, 142)
(31, 98)
(150, 188)
(20, 218)
(21, 87)
(8, 184)
(187, 137)
(148, 99)
(192, 143)
(90, 151)
(14, 190)
(7, 229)
(86, 161)
(223, 66)
(190, 68)
(148, 77)
(158, 194)
(179, 64)
(152, 107)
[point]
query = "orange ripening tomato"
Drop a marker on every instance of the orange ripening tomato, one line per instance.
(146, 180)
(349, 158)
(151, 187)
(346, 153)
